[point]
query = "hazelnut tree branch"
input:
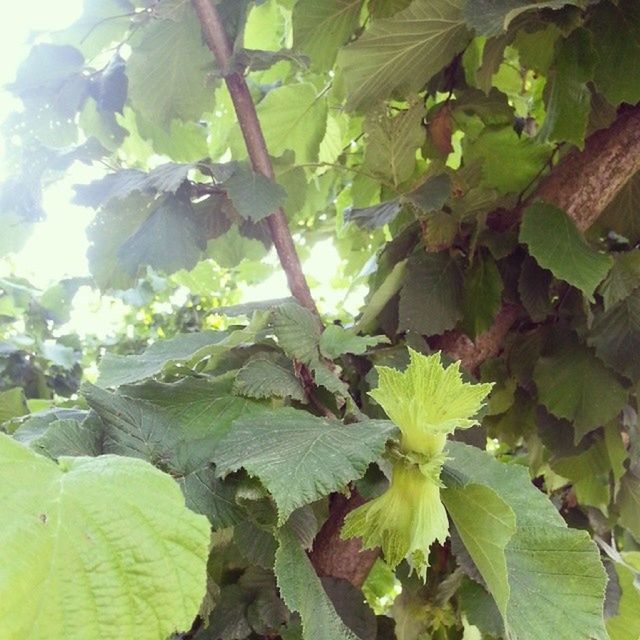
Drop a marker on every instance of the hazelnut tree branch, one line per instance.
(218, 41)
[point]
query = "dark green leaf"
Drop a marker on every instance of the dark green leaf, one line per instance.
(616, 37)
(482, 296)
(615, 335)
(302, 591)
(167, 68)
(556, 244)
(623, 278)
(265, 376)
(298, 457)
(168, 240)
(375, 216)
(491, 17)
(403, 52)
(569, 100)
(573, 384)
(321, 27)
(253, 195)
(431, 298)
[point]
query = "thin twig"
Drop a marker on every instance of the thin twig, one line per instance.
(217, 40)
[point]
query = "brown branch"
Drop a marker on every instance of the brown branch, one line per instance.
(338, 558)
(458, 346)
(217, 40)
(584, 183)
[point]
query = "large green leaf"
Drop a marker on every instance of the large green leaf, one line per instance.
(403, 52)
(294, 117)
(392, 142)
(569, 101)
(168, 240)
(623, 278)
(298, 457)
(177, 426)
(482, 296)
(185, 348)
(623, 213)
(625, 624)
(526, 158)
(491, 17)
(321, 27)
(253, 195)
(554, 573)
(431, 298)
(96, 547)
(12, 404)
(486, 524)
(556, 244)
(616, 35)
(574, 384)
(628, 501)
(615, 335)
(266, 376)
(168, 69)
(299, 333)
(302, 591)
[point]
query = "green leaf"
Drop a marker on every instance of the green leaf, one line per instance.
(375, 216)
(615, 335)
(616, 39)
(166, 177)
(294, 117)
(167, 69)
(480, 608)
(526, 158)
(623, 213)
(491, 17)
(298, 332)
(86, 535)
(321, 27)
(482, 296)
(253, 195)
(267, 377)
(101, 23)
(628, 502)
(302, 591)
(62, 437)
(573, 384)
(392, 142)
(625, 625)
(432, 194)
(534, 289)
(554, 572)
(431, 298)
(45, 72)
(569, 102)
(174, 424)
(336, 341)
(12, 404)
(186, 348)
(485, 524)
(298, 457)
(168, 240)
(623, 278)
(554, 241)
(403, 52)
